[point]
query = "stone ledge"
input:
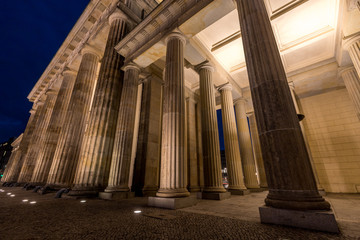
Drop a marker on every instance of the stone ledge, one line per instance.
(172, 203)
(116, 195)
(213, 196)
(314, 220)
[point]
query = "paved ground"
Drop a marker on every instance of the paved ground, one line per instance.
(51, 218)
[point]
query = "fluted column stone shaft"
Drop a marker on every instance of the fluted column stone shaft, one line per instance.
(231, 142)
(121, 159)
(192, 156)
(24, 145)
(66, 155)
(352, 45)
(210, 135)
(247, 157)
(290, 177)
(173, 160)
(37, 138)
(46, 154)
(199, 146)
(10, 165)
(352, 84)
(257, 151)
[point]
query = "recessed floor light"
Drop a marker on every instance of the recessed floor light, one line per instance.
(12, 195)
(83, 201)
(137, 211)
(8, 193)
(33, 202)
(25, 200)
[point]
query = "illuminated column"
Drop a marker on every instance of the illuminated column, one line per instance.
(352, 45)
(231, 142)
(37, 138)
(199, 146)
(192, 155)
(292, 90)
(121, 158)
(210, 135)
(14, 157)
(173, 159)
(46, 155)
(282, 143)
(352, 83)
(66, 155)
(96, 153)
(246, 153)
(257, 150)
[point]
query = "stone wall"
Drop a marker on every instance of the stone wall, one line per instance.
(333, 133)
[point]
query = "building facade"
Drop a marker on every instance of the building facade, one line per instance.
(128, 103)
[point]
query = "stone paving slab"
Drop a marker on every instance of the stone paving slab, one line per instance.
(52, 218)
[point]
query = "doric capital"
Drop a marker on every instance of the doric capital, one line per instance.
(205, 65)
(344, 70)
(68, 71)
(118, 14)
(291, 86)
(90, 49)
(190, 99)
(131, 65)
(349, 41)
(175, 35)
(225, 87)
(240, 101)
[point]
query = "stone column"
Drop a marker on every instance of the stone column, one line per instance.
(192, 156)
(46, 155)
(173, 161)
(290, 177)
(12, 160)
(292, 91)
(232, 151)
(37, 138)
(210, 136)
(199, 146)
(257, 150)
(352, 84)
(24, 145)
(121, 159)
(66, 155)
(352, 45)
(96, 153)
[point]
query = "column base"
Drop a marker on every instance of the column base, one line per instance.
(314, 220)
(213, 196)
(89, 192)
(256, 189)
(149, 191)
(239, 191)
(194, 189)
(116, 195)
(117, 189)
(173, 193)
(322, 192)
(172, 203)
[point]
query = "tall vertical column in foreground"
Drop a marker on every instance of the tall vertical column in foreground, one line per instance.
(290, 177)
(246, 153)
(66, 155)
(121, 159)
(13, 158)
(95, 158)
(353, 46)
(173, 159)
(257, 150)
(352, 84)
(37, 138)
(213, 184)
(232, 151)
(46, 154)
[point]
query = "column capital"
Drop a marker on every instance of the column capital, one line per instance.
(225, 87)
(90, 49)
(350, 40)
(205, 65)
(176, 34)
(240, 100)
(118, 14)
(68, 71)
(131, 65)
(345, 70)
(190, 99)
(291, 85)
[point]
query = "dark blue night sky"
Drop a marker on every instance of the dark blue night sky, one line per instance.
(31, 33)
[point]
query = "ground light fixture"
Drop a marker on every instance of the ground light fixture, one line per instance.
(8, 193)
(2, 190)
(25, 200)
(12, 195)
(137, 211)
(33, 202)
(83, 201)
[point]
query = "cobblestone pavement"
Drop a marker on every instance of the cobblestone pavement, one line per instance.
(51, 218)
